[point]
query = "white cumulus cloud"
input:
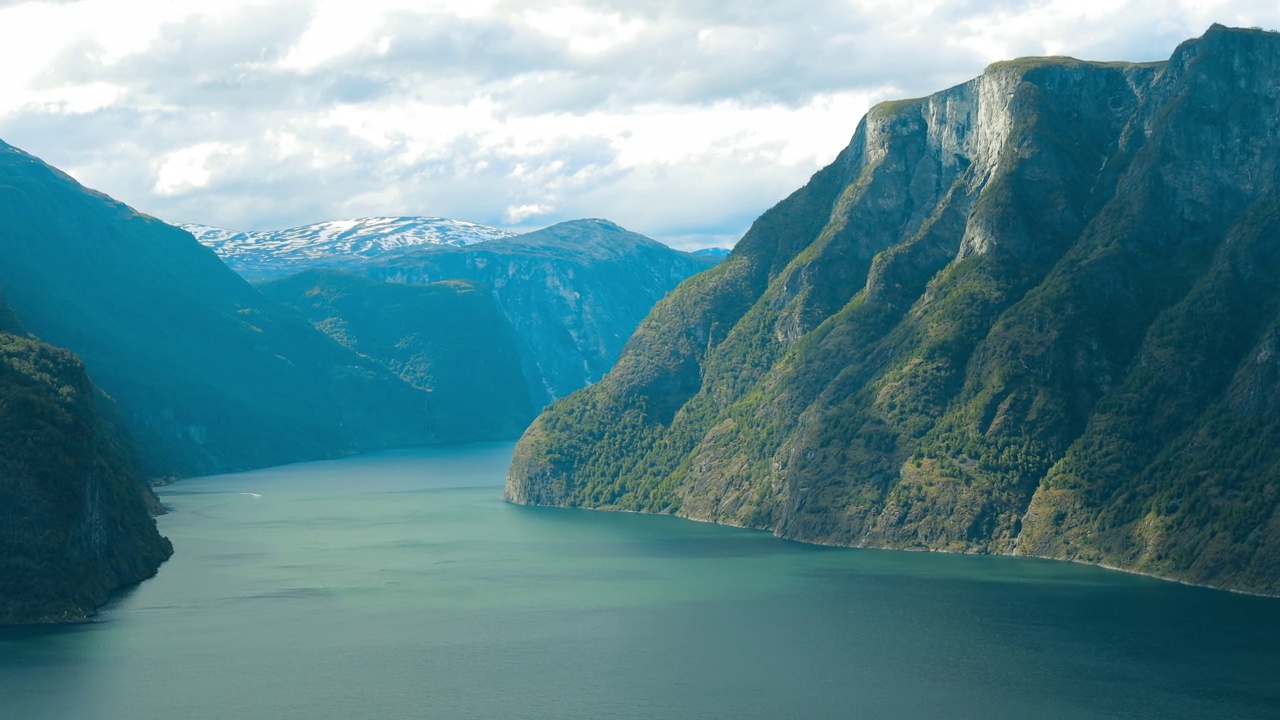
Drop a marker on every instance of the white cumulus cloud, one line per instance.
(679, 119)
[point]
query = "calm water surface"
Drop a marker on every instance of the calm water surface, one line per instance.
(399, 585)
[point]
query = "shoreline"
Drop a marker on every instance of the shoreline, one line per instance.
(818, 543)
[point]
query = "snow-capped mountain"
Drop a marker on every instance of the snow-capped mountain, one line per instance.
(337, 244)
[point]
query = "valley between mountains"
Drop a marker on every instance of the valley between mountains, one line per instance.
(433, 332)
(1034, 314)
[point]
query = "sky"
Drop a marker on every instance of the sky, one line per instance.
(680, 119)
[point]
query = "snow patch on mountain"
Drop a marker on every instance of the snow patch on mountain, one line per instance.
(715, 252)
(335, 244)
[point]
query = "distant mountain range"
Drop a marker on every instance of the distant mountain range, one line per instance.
(262, 255)
(333, 245)
(573, 292)
(1037, 313)
(450, 317)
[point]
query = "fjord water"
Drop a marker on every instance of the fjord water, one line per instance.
(399, 585)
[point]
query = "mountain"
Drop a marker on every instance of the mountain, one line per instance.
(716, 252)
(334, 245)
(448, 338)
(74, 521)
(574, 292)
(209, 375)
(1037, 313)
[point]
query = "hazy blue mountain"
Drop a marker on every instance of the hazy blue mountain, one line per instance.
(448, 338)
(573, 292)
(209, 375)
(74, 520)
(1037, 313)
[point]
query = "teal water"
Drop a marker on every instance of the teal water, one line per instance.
(399, 585)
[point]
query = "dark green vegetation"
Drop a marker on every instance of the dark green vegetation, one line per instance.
(1037, 313)
(74, 520)
(573, 292)
(209, 375)
(448, 338)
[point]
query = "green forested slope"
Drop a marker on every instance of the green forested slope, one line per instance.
(74, 523)
(1031, 314)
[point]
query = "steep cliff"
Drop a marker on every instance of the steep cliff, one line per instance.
(209, 375)
(74, 524)
(1035, 313)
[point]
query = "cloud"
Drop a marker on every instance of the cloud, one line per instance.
(680, 119)
(191, 167)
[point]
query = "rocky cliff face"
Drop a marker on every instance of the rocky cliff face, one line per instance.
(74, 524)
(209, 375)
(1031, 314)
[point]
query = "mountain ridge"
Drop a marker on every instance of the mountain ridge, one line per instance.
(334, 244)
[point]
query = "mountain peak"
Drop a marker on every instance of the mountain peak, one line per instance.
(1218, 29)
(1261, 47)
(584, 230)
(590, 222)
(589, 234)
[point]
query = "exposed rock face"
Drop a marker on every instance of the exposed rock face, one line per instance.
(209, 375)
(574, 292)
(1035, 314)
(74, 521)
